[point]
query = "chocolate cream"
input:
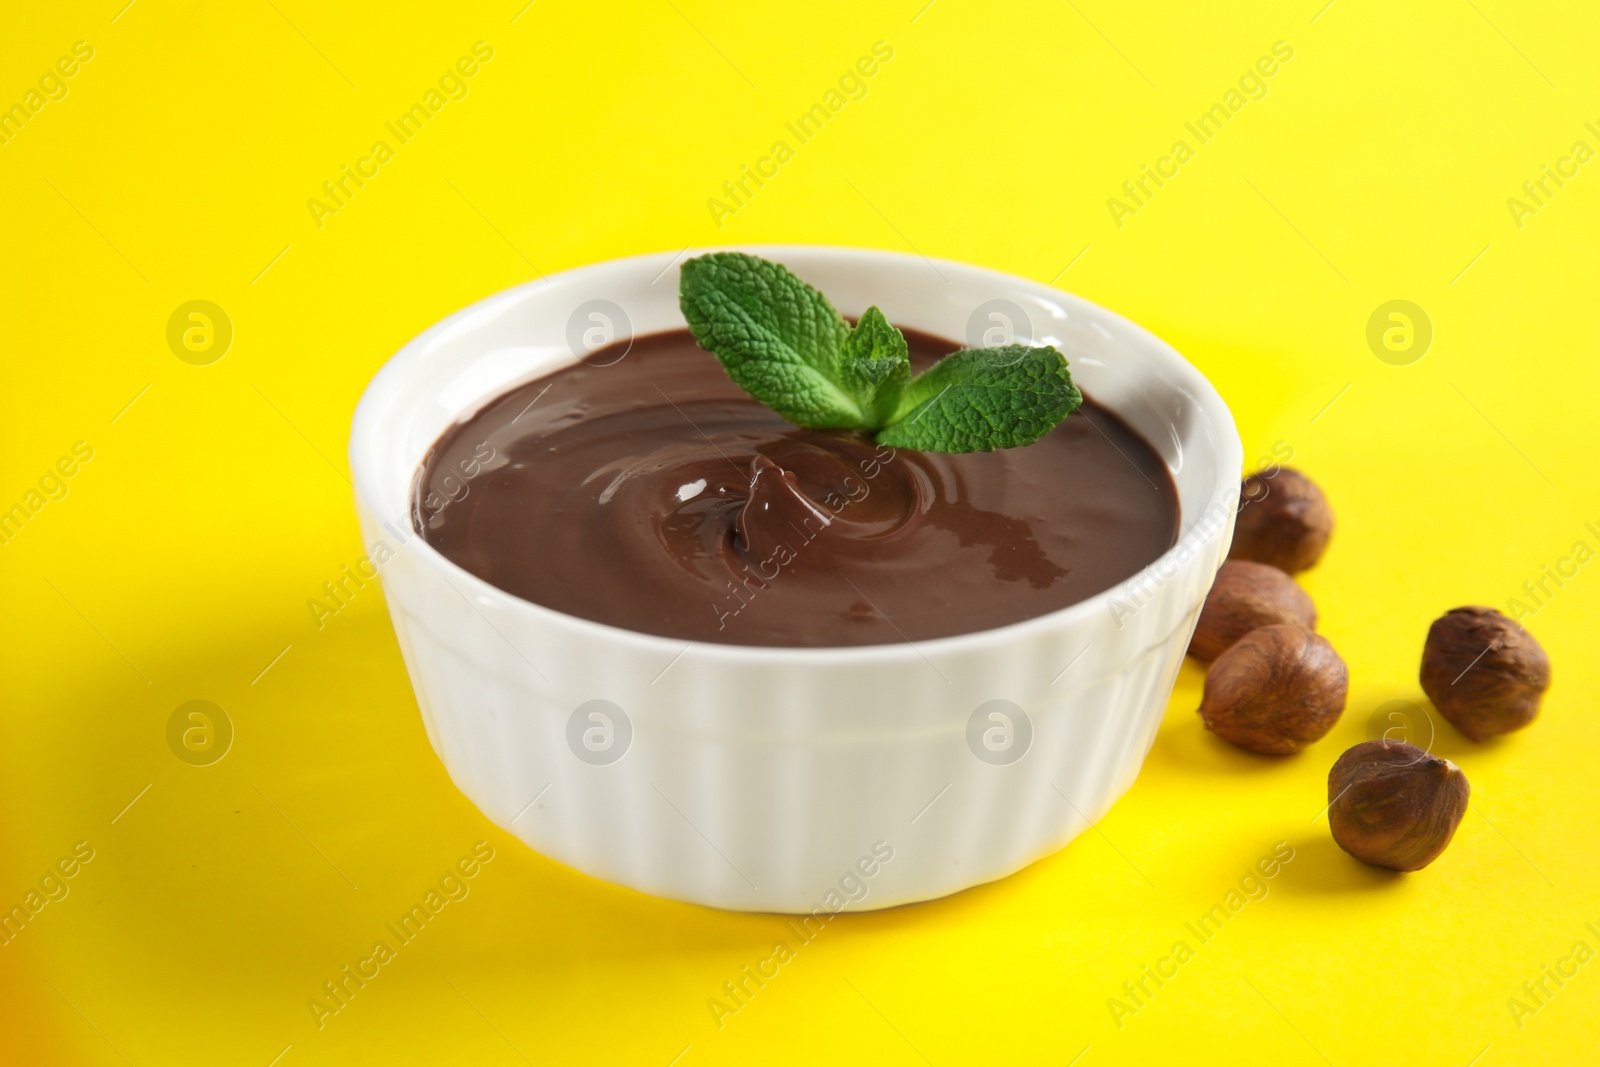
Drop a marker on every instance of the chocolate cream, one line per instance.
(643, 489)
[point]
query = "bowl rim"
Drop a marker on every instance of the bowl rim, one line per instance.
(367, 419)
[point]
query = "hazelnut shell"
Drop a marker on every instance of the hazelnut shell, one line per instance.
(1278, 689)
(1393, 805)
(1483, 672)
(1245, 596)
(1284, 520)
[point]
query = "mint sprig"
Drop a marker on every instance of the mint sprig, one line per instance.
(783, 343)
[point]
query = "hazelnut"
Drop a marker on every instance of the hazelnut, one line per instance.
(1483, 672)
(1278, 689)
(1244, 596)
(1393, 805)
(1283, 520)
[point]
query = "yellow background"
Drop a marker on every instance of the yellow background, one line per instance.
(179, 564)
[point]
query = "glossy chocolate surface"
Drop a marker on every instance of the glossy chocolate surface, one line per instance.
(643, 489)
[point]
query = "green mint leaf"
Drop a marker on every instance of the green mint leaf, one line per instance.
(874, 365)
(777, 337)
(785, 344)
(980, 399)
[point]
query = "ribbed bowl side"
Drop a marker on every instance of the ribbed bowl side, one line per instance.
(759, 787)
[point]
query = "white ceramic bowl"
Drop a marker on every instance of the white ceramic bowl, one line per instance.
(789, 779)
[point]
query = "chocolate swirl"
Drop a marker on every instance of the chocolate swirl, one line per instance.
(649, 492)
